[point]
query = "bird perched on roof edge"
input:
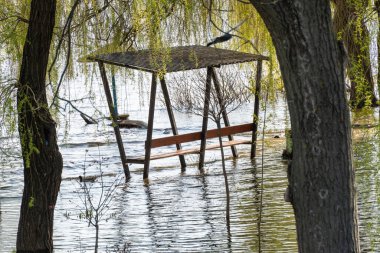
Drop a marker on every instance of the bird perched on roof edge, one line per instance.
(227, 35)
(220, 39)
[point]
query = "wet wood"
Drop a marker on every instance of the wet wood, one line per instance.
(148, 143)
(224, 113)
(141, 159)
(181, 58)
(113, 118)
(132, 124)
(173, 124)
(257, 107)
(205, 118)
(196, 136)
(120, 117)
(87, 119)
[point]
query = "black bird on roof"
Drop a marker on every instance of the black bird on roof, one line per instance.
(220, 39)
(226, 36)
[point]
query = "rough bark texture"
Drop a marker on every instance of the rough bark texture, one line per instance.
(42, 160)
(321, 179)
(377, 7)
(350, 24)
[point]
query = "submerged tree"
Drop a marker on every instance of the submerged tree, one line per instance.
(37, 130)
(321, 177)
(95, 206)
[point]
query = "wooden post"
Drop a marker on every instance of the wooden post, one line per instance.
(172, 119)
(113, 118)
(149, 133)
(257, 107)
(114, 95)
(205, 118)
(222, 107)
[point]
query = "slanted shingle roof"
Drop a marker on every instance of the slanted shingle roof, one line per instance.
(176, 58)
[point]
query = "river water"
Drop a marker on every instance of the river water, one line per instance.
(176, 211)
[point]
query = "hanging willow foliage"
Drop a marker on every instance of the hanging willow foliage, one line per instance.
(85, 27)
(351, 20)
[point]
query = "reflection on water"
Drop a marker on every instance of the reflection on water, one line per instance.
(185, 212)
(181, 212)
(367, 163)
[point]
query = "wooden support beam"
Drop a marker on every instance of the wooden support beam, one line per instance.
(173, 124)
(114, 123)
(257, 107)
(114, 94)
(149, 133)
(205, 118)
(196, 136)
(222, 107)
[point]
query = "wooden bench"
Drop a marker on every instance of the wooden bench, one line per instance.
(196, 136)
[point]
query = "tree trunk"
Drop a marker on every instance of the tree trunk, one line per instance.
(96, 235)
(41, 157)
(321, 179)
(377, 6)
(349, 23)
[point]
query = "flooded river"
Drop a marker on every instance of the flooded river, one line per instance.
(178, 211)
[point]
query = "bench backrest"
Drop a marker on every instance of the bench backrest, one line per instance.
(182, 138)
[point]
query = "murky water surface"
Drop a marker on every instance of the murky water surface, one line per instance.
(178, 211)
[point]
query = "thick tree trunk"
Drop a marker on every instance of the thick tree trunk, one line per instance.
(377, 7)
(42, 160)
(349, 23)
(321, 179)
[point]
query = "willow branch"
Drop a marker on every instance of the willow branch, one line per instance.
(66, 27)
(75, 108)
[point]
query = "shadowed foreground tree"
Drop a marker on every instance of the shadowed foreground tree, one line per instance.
(377, 8)
(321, 177)
(41, 157)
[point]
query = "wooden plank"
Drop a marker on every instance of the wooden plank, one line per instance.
(141, 159)
(206, 109)
(224, 112)
(173, 124)
(150, 125)
(196, 136)
(256, 109)
(113, 118)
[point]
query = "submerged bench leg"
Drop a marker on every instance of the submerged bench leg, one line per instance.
(172, 119)
(257, 107)
(205, 119)
(148, 143)
(114, 123)
(222, 107)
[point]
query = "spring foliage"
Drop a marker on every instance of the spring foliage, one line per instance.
(85, 27)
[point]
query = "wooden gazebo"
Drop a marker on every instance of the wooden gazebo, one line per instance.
(173, 60)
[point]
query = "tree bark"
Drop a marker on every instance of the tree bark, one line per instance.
(377, 7)
(41, 157)
(350, 24)
(321, 179)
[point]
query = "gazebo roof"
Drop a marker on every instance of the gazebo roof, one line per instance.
(176, 58)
